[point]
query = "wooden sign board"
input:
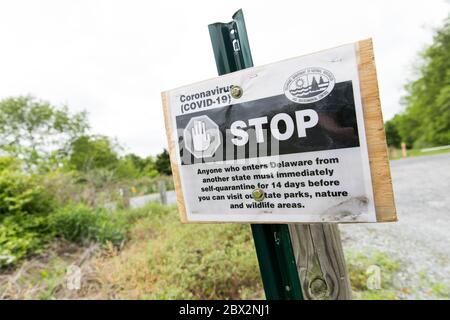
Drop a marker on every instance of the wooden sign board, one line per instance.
(297, 141)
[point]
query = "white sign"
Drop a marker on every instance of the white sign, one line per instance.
(291, 148)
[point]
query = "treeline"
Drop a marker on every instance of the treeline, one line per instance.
(45, 138)
(425, 121)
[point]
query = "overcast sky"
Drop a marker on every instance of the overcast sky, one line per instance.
(114, 57)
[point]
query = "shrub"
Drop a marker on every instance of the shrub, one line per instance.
(24, 209)
(20, 193)
(21, 234)
(154, 210)
(9, 163)
(82, 224)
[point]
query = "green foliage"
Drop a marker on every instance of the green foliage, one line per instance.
(441, 290)
(49, 279)
(162, 163)
(392, 135)
(22, 194)
(34, 130)
(144, 167)
(139, 163)
(82, 224)
(395, 154)
(93, 152)
(9, 163)
(426, 119)
(126, 169)
(97, 155)
(48, 138)
(63, 186)
(24, 208)
(21, 234)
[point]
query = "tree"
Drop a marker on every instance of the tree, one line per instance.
(144, 166)
(426, 119)
(162, 163)
(34, 130)
(149, 169)
(138, 162)
(93, 152)
(127, 169)
(392, 135)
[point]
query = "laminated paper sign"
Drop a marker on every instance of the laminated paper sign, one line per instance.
(300, 140)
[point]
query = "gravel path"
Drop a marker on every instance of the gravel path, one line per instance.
(421, 237)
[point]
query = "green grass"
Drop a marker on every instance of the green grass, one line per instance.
(360, 268)
(359, 264)
(50, 277)
(166, 259)
(441, 290)
(438, 290)
(397, 154)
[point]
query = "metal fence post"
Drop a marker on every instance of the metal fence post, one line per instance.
(272, 241)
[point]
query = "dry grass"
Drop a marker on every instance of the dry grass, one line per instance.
(40, 275)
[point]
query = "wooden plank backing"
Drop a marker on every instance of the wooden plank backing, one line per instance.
(376, 138)
(173, 158)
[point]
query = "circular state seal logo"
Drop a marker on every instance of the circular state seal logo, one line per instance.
(309, 85)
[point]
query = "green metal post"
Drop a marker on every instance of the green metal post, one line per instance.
(272, 241)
